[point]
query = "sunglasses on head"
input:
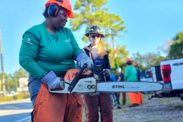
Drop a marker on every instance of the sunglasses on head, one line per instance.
(93, 36)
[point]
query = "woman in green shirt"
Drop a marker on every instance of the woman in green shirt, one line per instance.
(47, 52)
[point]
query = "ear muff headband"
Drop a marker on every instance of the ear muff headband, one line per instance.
(53, 9)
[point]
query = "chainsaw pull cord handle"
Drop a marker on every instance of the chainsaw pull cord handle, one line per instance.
(76, 79)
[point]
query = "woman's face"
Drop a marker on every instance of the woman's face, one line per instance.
(61, 19)
(94, 39)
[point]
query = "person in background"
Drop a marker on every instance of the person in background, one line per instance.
(101, 101)
(114, 95)
(120, 78)
(131, 76)
(138, 71)
(139, 94)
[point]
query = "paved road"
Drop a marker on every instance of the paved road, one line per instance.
(15, 111)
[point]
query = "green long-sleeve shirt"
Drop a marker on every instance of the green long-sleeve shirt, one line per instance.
(42, 51)
(130, 73)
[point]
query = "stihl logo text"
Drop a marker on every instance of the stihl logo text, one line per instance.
(118, 86)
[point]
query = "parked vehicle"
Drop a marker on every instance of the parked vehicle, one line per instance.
(11, 93)
(145, 76)
(170, 74)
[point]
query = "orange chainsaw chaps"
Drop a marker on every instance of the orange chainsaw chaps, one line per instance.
(70, 75)
(52, 107)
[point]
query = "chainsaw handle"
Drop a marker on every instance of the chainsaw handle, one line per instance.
(76, 79)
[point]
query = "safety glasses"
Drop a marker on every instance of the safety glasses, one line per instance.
(62, 12)
(60, 0)
(93, 36)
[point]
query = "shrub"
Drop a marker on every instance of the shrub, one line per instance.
(21, 95)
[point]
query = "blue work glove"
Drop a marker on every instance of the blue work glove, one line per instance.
(84, 59)
(52, 81)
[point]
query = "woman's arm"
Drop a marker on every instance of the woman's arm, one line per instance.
(27, 56)
(27, 59)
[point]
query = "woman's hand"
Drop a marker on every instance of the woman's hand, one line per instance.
(58, 82)
(84, 59)
(88, 62)
(53, 81)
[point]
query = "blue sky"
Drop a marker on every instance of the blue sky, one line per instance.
(149, 24)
